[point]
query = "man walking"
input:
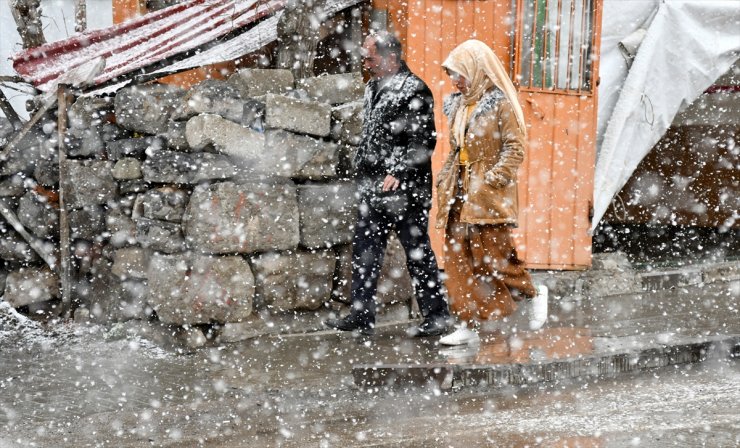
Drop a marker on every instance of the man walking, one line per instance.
(394, 177)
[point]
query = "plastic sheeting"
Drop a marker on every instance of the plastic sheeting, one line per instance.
(687, 46)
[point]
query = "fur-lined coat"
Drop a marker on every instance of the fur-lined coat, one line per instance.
(495, 146)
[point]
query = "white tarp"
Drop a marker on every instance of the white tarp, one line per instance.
(688, 44)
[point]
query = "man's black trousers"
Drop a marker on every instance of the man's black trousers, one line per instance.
(374, 225)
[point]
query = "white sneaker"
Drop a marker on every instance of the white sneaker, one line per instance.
(461, 336)
(538, 308)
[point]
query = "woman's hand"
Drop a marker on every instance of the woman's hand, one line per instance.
(496, 180)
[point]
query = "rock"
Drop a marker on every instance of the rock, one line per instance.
(304, 117)
(25, 155)
(137, 148)
(327, 214)
(90, 111)
(274, 280)
(6, 131)
(243, 218)
(111, 299)
(46, 172)
(159, 235)
(127, 168)
(290, 281)
(90, 141)
(30, 285)
(146, 108)
(87, 223)
(299, 156)
(88, 182)
(175, 136)
(93, 141)
(82, 315)
(133, 186)
(84, 143)
(193, 337)
(212, 96)
(246, 147)
(249, 328)
(273, 153)
(121, 227)
(183, 168)
(165, 203)
(131, 262)
(12, 186)
(334, 89)
(3, 276)
(254, 82)
(314, 279)
(347, 123)
(193, 289)
(38, 216)
(253, 114)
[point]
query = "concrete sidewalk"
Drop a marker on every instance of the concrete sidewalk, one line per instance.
(605, 322)
(661, 318)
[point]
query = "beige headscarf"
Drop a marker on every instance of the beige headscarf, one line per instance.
(475, 61)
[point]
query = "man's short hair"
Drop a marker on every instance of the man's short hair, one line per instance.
(387, 44)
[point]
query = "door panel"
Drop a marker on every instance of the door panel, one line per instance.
(556, 63)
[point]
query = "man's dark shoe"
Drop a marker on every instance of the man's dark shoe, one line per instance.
(351, 323)
(430, 327)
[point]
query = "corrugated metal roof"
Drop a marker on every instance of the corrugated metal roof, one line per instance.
(260, 35)
(157, 36)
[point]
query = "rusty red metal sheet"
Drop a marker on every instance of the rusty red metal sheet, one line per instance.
(141, 42)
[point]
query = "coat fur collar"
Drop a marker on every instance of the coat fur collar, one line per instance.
(488, 102)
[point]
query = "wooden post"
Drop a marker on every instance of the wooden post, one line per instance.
(39, 248)
(27, 127)
(297, 38)
(27, 16)
(80, 16)
(64, 237)
(8, 110)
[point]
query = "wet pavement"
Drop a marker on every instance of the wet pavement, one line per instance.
(299, 389)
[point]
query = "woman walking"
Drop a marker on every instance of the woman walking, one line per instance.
(477, 195)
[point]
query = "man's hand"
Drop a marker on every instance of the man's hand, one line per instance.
(390, 183)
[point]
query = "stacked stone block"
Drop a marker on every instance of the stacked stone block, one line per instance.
(201, 206)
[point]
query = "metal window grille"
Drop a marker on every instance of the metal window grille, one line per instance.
(555, 43)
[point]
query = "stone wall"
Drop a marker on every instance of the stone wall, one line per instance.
(196, 207)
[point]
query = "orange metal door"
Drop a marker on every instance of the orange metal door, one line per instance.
(556, 67)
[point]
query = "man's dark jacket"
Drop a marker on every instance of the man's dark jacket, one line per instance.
(398, 138)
